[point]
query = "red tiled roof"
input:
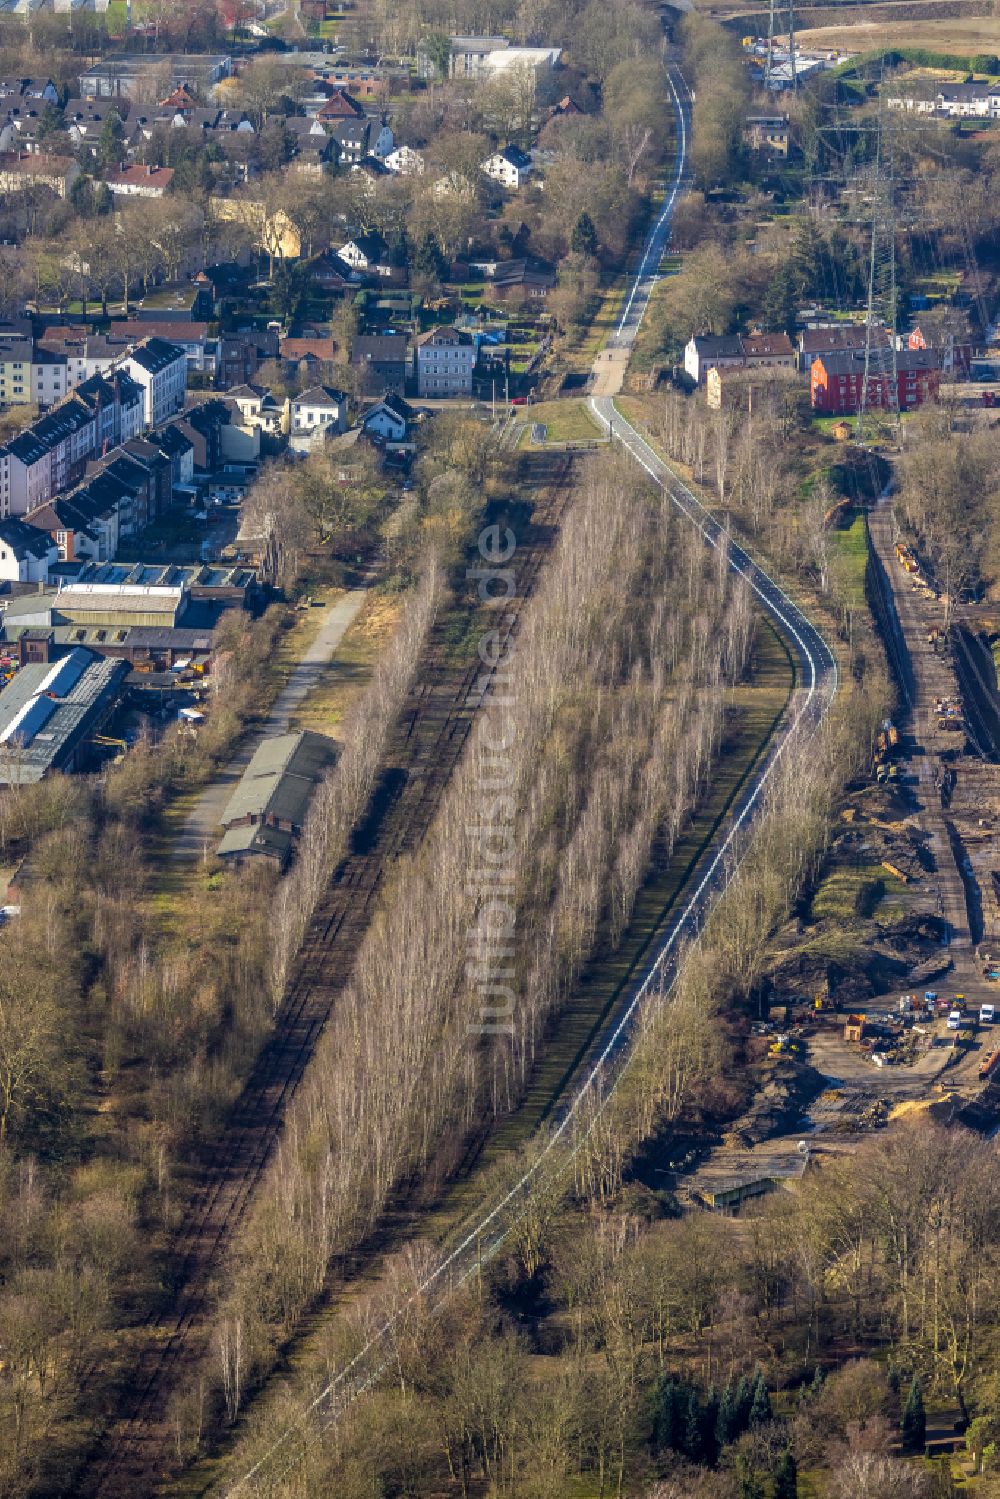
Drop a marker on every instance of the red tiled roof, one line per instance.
(160, 177)
(301, 348)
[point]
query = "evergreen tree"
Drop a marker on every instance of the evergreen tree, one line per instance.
(427, 258)
(709, 1425)
(693, 1438)
(110, 145)
(743, 1401)
(584, 237)
(892, 1377)
(666, 1414)
(786, 1478)
(819, 1379)
(760, 1405)
(914, 1418)
(781, 301)
(725, 1424)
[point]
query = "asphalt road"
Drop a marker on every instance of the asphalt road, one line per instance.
(485, 1234)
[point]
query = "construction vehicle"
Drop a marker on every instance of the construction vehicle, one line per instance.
(906, 558)
(989, 1065)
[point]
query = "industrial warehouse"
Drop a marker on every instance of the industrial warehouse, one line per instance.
(51, 711)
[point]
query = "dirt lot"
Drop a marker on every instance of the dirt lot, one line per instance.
(960, 35)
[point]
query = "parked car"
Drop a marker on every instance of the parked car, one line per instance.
(954, 1020)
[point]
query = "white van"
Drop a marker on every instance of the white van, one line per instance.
(955, 1020)
(985, 1014)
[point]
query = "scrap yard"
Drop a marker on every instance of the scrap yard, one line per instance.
(883, 997)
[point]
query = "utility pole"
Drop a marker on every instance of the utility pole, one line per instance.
(770, 45)
(881, 273)
(791, 43)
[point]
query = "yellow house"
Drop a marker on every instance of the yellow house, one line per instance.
(275, 234)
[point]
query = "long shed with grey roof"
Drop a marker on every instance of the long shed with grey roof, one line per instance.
(268, 808)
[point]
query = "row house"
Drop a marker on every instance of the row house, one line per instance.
(955, 101)
(895, 380)
(52, 453)
(160, 368)
(836, 338)
(735, 351)
(30, 374)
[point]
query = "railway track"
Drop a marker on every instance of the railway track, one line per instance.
(135, 1454)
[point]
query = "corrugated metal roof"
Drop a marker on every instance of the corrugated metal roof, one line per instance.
(281, 778)
(49, 708)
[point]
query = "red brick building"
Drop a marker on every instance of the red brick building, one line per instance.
(836, 380)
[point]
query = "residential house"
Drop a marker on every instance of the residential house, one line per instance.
(768, 351)
(710, 351)
(22, 132)
(523, 279)
(340, 105)
(389, 421)
(383, 357)
(367, 252)
(445, 359)
(224, 284)
(353, 139)
(316, 411)
(332, 274)
(405, 161)
(161, 369)
(41, 90)
(258, 409)
(80, 527)
(238, 355)
(174, 302)
(25, 474)
(510, 167)
(30, 374)
(191, 337)
(179, 448)
(768, 134)
(837, 381)
(26, 554)
(836, 338)
(371, 171)
(308, 360)
(19, 173)
(139, 181)
(954, 355)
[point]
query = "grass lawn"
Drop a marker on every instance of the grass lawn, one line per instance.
(565, 421)
(345, 676)
(849, 561)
